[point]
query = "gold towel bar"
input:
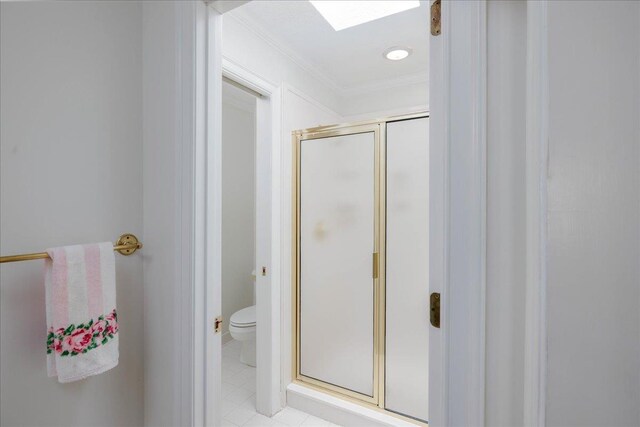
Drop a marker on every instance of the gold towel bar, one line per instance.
(126, 245)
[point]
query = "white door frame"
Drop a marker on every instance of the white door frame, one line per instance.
(268, 251)
(457, 219)
(457, 259)
(267, 230)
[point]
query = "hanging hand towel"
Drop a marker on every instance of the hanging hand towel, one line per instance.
(80, 289)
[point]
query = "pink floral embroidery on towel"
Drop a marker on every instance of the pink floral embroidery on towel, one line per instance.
(79, 339)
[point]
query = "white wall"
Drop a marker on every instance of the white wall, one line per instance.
(70, 163)
(593, 290)
(505, 297)
(161, 98)
(238, 202)
(384, 102)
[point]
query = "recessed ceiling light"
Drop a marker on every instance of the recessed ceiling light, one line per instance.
(397, 53)
(343, 14)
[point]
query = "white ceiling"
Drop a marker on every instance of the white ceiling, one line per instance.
(351, 58)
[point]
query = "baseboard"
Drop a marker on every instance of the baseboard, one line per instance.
(339, 411)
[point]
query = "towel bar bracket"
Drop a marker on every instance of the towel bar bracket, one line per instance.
(128, 240)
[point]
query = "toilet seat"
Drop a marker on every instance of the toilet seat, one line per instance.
(245, 318)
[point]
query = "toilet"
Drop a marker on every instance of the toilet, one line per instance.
(242, 327)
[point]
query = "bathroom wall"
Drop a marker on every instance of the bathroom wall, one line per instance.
(385, 101)
(238, 201)
(593, 284)
(70, 172)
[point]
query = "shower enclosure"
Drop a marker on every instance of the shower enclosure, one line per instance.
(361, 233)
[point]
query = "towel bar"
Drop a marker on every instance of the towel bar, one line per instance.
(126, 245)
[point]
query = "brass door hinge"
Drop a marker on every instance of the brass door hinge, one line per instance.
(435, 18)
(435, 309)
(217, 324)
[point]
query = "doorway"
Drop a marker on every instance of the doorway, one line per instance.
(295, 108)
(297, 98)
(238, 243)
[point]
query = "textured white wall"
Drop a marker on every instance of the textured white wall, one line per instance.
(238, 202)
(593, 315)
(70, 164)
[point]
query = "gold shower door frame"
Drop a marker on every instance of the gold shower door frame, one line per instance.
(378, 127)
(378, 130)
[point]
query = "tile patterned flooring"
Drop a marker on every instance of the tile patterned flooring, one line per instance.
(239, 398)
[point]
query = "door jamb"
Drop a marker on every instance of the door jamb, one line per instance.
(458, 85)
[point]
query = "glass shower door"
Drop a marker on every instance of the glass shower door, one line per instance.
(337, 219)
(407, 268)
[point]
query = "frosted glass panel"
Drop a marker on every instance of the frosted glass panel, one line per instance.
(336, 246)
(407, 287)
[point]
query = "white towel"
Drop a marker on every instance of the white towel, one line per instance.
(80, 288)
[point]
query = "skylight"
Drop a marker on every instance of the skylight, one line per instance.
(343, 14)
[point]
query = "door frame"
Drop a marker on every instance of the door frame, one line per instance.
(457, 257)
(457, 219)
(268, 248)
(268, 251)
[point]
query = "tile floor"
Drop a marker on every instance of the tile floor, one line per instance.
(239, 398)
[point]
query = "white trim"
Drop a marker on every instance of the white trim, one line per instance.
(438, 216)
(190, 267)
(247, 78)
(213, 221)
(458, 214)
(536, 158)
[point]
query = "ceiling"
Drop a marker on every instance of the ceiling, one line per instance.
(351, 58)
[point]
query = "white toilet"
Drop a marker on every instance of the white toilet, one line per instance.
(242, 327)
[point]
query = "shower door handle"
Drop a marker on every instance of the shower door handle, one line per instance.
(376, 265)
